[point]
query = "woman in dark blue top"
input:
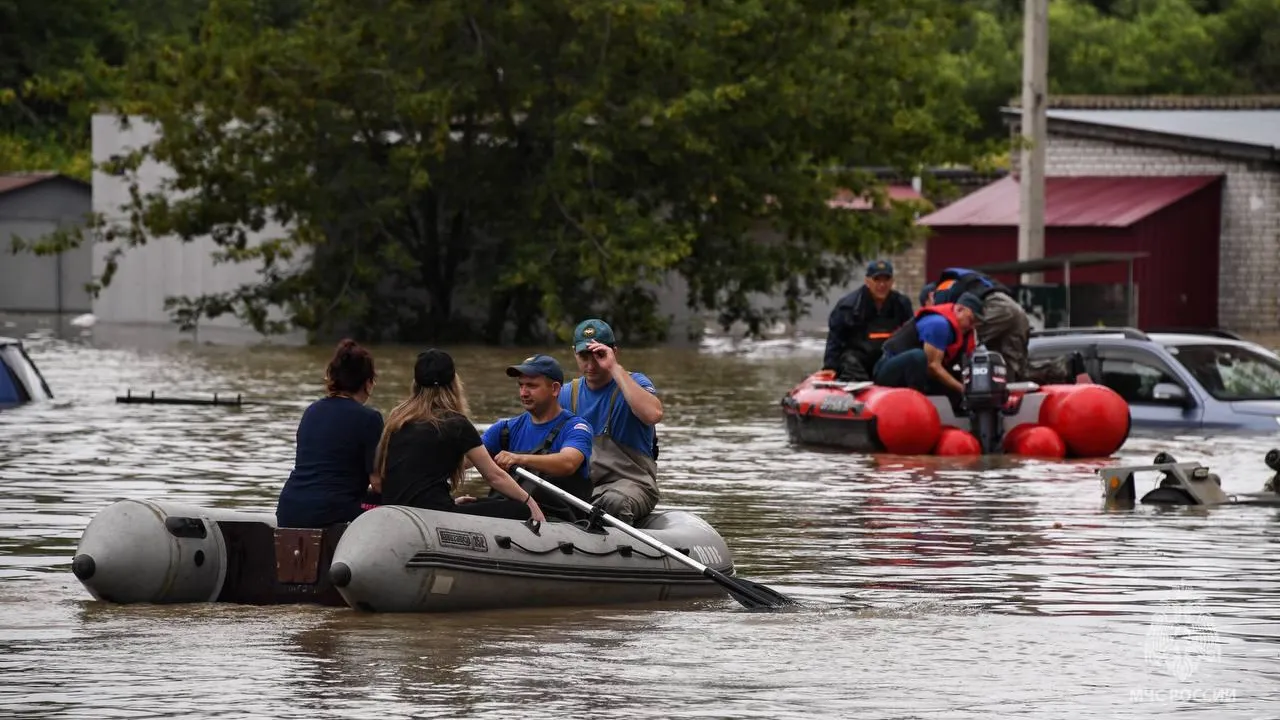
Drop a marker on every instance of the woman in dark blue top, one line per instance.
(337, 439)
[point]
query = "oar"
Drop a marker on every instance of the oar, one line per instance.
(752, 595)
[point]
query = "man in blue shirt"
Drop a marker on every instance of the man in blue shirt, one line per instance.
(921, 353)
(622, 408)
(1006, 329)
(547, 439)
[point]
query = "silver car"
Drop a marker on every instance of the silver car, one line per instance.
(1210, 380)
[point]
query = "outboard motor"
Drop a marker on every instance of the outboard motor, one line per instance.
(986, 392)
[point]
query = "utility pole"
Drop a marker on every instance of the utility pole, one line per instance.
(1035, 97)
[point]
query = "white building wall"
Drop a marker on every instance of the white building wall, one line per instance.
(165, 266)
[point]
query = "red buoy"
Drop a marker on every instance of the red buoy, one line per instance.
(1010, 438)
(1035, 441)
(953, 441)
(906, 422)
(1093, 420)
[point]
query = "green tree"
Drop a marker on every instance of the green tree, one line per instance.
(547, 158)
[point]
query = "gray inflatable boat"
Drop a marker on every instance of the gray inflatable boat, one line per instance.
(391, 559)
(400, 559)
(147, 551)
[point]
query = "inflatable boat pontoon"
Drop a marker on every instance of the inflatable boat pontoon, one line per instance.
(390, 559)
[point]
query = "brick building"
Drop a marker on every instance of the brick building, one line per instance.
(1237, 138)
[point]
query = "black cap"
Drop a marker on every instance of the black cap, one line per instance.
(972, 302)
(433, 369)
(924, 292)
(543, 365)
(879, 268)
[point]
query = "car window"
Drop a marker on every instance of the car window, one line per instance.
(1231, 372)
(1133, 379)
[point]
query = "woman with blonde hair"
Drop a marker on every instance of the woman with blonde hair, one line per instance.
(426, 441)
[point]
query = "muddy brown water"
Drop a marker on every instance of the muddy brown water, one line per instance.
(931, 588)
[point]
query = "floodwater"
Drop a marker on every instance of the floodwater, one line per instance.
(929, 588)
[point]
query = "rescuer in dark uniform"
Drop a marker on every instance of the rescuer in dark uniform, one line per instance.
(861, 322)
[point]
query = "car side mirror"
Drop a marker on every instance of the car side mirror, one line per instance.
(1169, 392)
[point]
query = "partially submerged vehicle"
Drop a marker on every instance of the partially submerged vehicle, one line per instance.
(1185, 483)
(20, 380)
(1192, 379)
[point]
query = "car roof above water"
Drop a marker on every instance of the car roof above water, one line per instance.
(1129, 336)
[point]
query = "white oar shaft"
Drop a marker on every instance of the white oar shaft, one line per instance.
(587, 507)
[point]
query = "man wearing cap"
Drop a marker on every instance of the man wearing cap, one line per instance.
(861, 322)
(921, 353)
(1005, 328)
(622, 408)
(547, 439)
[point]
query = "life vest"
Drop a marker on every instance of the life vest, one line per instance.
(908, 338)
(958, 281)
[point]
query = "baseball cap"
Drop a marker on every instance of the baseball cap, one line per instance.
(433, 369)
(879, 267)
(543, 365)
(924, 292)
(593, 330)
(972, 302)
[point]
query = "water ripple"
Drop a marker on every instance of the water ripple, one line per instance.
(933, 587)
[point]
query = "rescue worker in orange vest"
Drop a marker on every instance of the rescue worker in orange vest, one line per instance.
(920, 354)
(1006, 329)
(861, 322)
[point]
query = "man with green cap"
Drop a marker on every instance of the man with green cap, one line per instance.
(622, 408)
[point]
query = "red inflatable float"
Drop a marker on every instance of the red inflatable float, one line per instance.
(1051, 421)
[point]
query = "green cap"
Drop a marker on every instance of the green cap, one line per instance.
(593, 330)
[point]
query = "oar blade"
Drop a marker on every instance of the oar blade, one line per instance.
(749, 594)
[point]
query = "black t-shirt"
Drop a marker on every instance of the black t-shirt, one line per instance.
(421, 458)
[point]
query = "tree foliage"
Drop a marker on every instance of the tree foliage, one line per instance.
(539, 161)
(500, 169)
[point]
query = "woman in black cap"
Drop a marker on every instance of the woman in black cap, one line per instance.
(428, 437)
(336, 440)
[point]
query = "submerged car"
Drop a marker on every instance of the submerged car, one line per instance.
(1181, 379)
(20, 380)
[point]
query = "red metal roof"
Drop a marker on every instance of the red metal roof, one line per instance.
(1072, 201)
(845, 199)
(13, 181)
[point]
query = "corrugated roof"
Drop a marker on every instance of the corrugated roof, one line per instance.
(1260, 128)
(845, 199)
(1071, 201)
(13, 181)
(16, 181)
(1159, 102)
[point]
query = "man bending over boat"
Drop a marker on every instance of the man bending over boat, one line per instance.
(546, 439)
(622, 408)
(860, 323)
(921, 353)
(1006, 329)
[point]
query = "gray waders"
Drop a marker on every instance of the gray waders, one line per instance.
(1006, 330)
(625, 480)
